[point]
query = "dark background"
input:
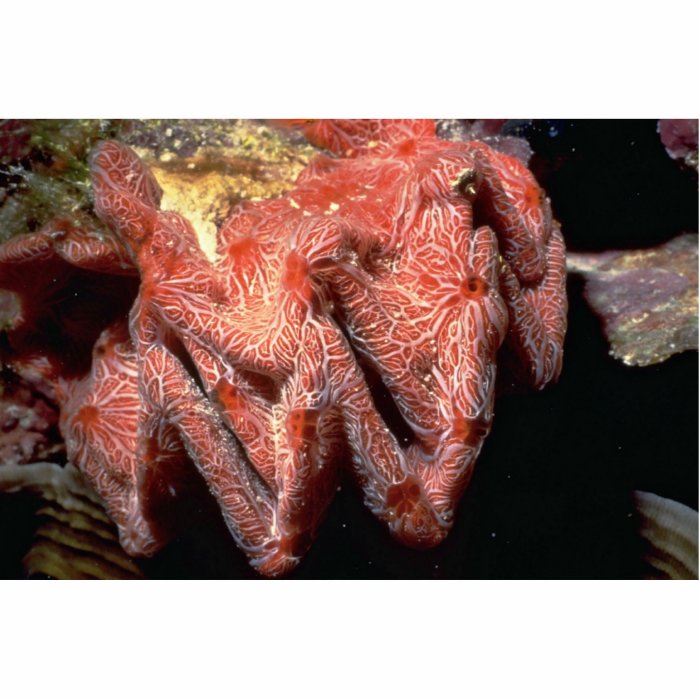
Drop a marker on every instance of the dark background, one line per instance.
(551, 496)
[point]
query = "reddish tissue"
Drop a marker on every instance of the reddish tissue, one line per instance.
(354, 321)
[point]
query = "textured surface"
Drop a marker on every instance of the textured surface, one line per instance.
(405, 261)
(647, 299)
(680, 139)
(670, 533)
(74, 538)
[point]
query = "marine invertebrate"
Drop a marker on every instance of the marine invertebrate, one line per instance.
(404, 260)
(73, 537)
(670, 533)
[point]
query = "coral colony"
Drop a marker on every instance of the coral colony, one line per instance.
(399, 261)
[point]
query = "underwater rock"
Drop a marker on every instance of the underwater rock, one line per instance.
(25, 422)
(44, 172)
(647, 299)
(206, 167)
(680, 138)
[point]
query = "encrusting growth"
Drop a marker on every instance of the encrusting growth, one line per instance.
(399, 256)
